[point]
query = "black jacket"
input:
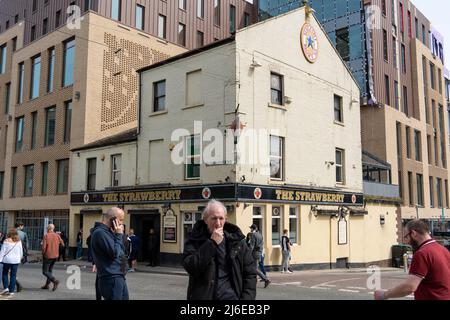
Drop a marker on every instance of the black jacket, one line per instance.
(199, 261)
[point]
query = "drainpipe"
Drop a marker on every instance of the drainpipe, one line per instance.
(331, 242)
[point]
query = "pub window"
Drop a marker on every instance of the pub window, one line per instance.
(293, 224)
(276, 225)
(258, 218)
(189, 219)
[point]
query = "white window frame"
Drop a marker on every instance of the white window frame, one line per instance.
(296, 217)
(341, 165)
(188, 156)
(276, 242)
(259, 217)
(281, 139)
(114, 172)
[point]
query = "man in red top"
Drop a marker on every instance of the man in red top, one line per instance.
(429, 274)
(50, 252)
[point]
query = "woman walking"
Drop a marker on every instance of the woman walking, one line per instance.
(10, 255)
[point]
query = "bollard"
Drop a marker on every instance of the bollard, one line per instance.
(405, 262)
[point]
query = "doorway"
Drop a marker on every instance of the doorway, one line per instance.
(142, 222)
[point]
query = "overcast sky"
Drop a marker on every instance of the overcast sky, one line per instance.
(437, 11)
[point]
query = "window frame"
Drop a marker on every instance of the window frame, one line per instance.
(65, 182)
(47, 127)
(340, 166)
(26, 189)
(89, 174)
(276, 241)
(192, 156)
(295, 216)
(68, 76)
(115, 172)
(157, 98)
(279, 157)
(278, 91)
(340, 109)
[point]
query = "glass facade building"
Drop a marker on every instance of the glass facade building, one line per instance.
(343, 21)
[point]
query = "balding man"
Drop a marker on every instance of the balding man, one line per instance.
(108, 252)
(218, 260)
(50, 253)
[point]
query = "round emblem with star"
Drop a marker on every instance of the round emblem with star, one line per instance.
(257, 193)
(309, 42)
(353, 198)
(206, 193)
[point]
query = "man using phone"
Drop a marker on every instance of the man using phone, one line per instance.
(108, 252)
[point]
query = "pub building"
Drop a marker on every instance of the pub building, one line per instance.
(302, 105)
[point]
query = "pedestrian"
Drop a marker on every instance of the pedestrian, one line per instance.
(11, 255)
(79, 254)
(98, 295)
(108, 251)
(256, 247)
(25, 244)
(219, 262)
(152, 247)
(62, 247)
(135, 246)
(429, 274)
(50, 253)
(285, 252)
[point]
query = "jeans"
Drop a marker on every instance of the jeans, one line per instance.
(113, 288)
(11, 285)
(285, 261)
(261, 265)
(47, 269)
(79, 250)
(259, 272)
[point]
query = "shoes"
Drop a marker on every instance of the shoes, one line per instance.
(55, 285)
(266, 283)
(18, 287)
(5, 291)
(10, 294)
(45, 287)
(261, 280)
(131, 270)
(289, 271)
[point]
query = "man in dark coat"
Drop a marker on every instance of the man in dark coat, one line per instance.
(219, 263)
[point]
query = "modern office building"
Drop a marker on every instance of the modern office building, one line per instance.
(398, 58)
(68, 78)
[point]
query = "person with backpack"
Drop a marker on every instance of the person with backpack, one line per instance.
(257, 246)
(24, 239)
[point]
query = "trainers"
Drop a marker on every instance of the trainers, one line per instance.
(289, 271)
(266, 283)
(130, 270)
(10, 294)
(5, 291)
(55, 285)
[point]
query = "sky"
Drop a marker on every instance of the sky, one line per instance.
(437, 11)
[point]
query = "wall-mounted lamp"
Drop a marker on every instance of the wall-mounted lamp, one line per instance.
(227, 179)
(242, 178)
(287, 99)
(77, 95)
(329, 163)
(102, 157)
(313, 211)
(354, 100)
(255, 64)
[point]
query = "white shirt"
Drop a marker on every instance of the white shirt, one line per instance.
(11, 252)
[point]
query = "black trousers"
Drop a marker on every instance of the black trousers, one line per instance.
(47, 269)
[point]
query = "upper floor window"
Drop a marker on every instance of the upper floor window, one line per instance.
(338, 109)
(192, 170)
(116, 9)
(194, 96)
(50, 126)
(45, 26)
(7, 96)
(68, 63)
(2, 177)
(418, 145)
(182, 4)
(3, 58)
(20, 84)
(19, 134)
(33, 129)
(276, 88)
(13, 181)
(51, 69)
(116, 169)
(140, 17)
(385, 46)
(57, 18)
(35, 77)
(67, 120)
(159, 96)
(232, 19)
(200, 8)
(200, 39)
(62, 180)
(432, 76)
(28, 187)
(162, 26)
(91, 173)
(217, 12)
(44, 178)
(340, 166)
(34, 5)
(403, 52)
(33, 33)
(181, 34)
(246, 19)
(276, 157)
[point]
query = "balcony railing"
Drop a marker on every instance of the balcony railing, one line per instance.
(375, 189)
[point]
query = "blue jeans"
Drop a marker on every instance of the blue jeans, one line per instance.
(11, 285)
(79, 250)
(261, 265)
(47, 269)
(113, 288)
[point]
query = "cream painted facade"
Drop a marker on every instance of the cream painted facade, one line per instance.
(235, 75)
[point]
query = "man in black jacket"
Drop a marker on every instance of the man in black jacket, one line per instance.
(108, 252)
(218, 260)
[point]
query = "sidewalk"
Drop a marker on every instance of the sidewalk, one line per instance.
(142, 267)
